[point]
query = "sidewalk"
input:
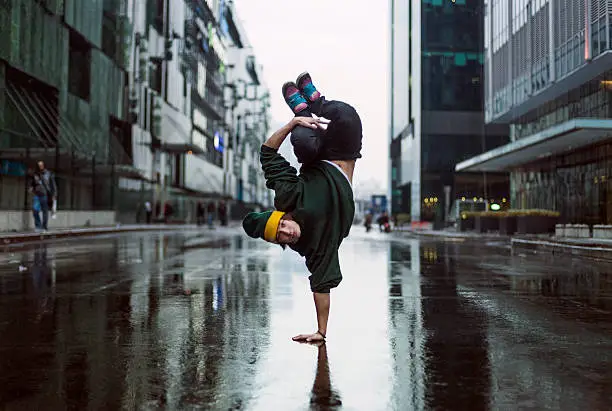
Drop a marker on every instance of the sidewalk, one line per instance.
(10, 238)
(451, 233)
(579, 247)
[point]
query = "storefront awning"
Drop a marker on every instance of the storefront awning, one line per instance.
(555, 140)
(209, 195)
(117, 170)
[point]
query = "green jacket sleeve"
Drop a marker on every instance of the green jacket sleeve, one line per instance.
(325, 270)
(282, 178)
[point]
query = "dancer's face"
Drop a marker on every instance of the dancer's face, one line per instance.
(288, 232)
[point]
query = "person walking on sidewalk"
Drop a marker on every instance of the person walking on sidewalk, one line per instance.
(148, 211)
(44, 190)
(315, 209)
(222, 211)
(211, 214)
(200, 213)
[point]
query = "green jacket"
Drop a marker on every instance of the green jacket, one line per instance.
(321, 201)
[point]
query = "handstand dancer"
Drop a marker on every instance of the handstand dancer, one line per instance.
(315, 209)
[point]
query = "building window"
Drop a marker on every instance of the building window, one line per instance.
(155, 14)
(79, 67)
(451, 81)
(452, 55)
(155, 76)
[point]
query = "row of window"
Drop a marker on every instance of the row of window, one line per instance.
(578, 185)
(452, 27)
(452, 81)
(568, 57)
(592, 100)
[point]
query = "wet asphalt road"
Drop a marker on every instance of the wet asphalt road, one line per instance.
(203, 320)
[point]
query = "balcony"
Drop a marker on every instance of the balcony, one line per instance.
(252, 69)
(201, 10)
(215, 79)
(199, 36)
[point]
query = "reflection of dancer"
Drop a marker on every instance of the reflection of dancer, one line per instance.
(323, 394)
(315, 209)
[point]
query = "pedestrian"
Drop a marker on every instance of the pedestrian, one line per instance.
(368, 222)
(148, 211)
(44, 195)
(211, 213)
(157, 210)
(168, 212)
(199, 213)
(315, 209)
(222, 211)
(383, 222)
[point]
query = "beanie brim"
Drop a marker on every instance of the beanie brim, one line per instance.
(272, 226)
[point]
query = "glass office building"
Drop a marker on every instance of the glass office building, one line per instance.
(547, 65)
(437, 107)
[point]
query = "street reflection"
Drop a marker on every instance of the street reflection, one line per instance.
(406, 333)
(130, 324)
(590, 285)
(181, 321)
(439, 337)
(456, 348)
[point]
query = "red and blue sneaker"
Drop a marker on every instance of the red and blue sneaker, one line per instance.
(308, 90)
(293, 97)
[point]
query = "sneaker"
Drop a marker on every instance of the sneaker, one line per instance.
(293, 98)
(308, 90)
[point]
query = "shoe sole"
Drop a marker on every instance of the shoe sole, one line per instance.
(286, 86)
(292, 84)
(299, 79)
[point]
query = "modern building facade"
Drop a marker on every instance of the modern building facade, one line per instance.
(195, 54)
(548, 76)
(248, 113)
(63, 100)
(437, 114)
(127, 102)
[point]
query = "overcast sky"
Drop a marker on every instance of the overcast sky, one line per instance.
(343, 44)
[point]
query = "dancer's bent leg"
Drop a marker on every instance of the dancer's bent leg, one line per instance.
(306, 142)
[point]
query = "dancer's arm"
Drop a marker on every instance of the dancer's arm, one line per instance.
(279, 175)
(276, 139)
(281, 178)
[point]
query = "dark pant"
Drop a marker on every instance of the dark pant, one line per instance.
(306, 142)
(40, 203)
(341, 140)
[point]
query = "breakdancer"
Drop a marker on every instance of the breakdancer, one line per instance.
(313, 210)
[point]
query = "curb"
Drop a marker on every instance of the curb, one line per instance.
(595, 251)
(443, 234)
